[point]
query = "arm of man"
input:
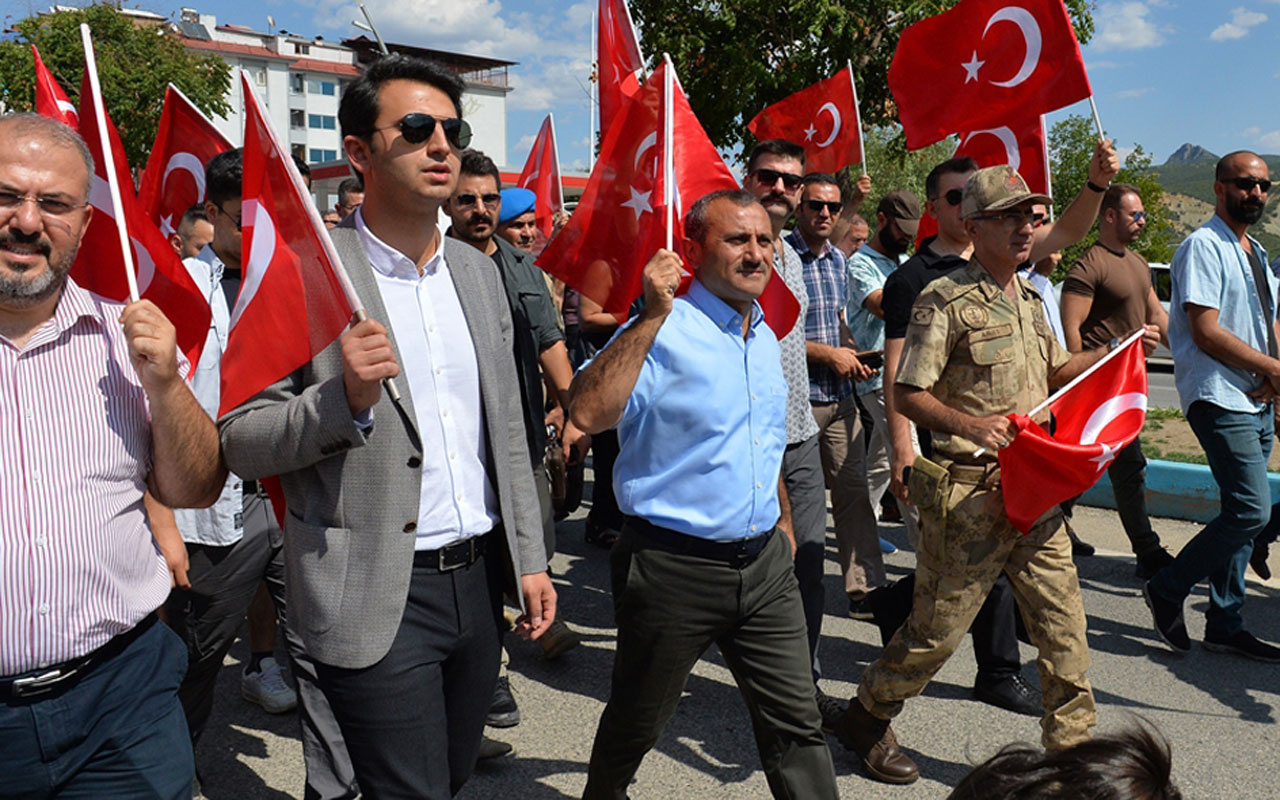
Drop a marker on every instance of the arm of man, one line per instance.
(784, 514)
(559, 373)
(599, 393)
(873, 303)
(927, 411)
(901, 452)
(164, 529)
(1077, 220)
(1225, 346)
(1079, 362)
(592, 318)
(1075, 308)
(186, 469)
(1156, 315)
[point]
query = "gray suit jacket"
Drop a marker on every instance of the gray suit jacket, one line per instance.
(352, 496)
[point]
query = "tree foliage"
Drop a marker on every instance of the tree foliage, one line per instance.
(135, 64)
(893, 167)
(1071, 144)
(734, 57)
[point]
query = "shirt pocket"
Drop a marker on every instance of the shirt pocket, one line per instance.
(992, 352)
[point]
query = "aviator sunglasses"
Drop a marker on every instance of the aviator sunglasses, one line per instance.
(416, 128)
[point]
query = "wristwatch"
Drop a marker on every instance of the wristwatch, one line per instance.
(1113, 344)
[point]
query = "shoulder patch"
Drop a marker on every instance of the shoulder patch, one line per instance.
(922, 315)
(975, 316)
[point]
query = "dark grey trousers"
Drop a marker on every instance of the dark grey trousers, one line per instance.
(802, 475)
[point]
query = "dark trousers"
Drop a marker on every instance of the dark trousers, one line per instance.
(670, 608)
(604, 506)
(1128, 474)
(802, 475)
(118, 731)
(994, 629)
(413, 720)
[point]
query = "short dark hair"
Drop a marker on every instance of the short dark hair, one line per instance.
(475, 162)
(1133, 764)
(303, 169)
(952, 166)
(695, 220)
(820, 179)
(358, 110)
(1116, 195)
(193, 215)
(223, 176)
(775, 147)
(1222, 171)
(348, 186)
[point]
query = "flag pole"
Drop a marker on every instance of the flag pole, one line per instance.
(109, 161)
(1048, 171)
(1097, 365)
(592, 95)
(1097, 121)
(857, 109)
(317, 224)
(555, 151)
(668, 147)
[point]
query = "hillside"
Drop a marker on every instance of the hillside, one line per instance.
(1187, 178)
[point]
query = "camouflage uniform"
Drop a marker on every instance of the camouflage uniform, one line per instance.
(982, 354)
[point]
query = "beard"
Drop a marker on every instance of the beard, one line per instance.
(1246, 211)
(26, 293)
(889, 244)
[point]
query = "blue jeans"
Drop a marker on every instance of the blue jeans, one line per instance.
(1238, 446)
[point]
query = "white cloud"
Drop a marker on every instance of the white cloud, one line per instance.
(1270, 140)
(1253, 130)
(1242, 20)
(1125, 26)
(1123, 152)
(526, 143)
(1129, 94)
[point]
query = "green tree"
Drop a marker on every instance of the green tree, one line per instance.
(1071, 144)
(893, 167)
(135, 63)
(735, 57)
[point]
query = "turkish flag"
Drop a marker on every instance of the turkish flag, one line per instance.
(822, 118)
(292, 302)
(174, 178)
(1095, 417)
(100, 266)
(620, 220)
(51, 101)
(618, 61)
(541, 175)
(982, 63)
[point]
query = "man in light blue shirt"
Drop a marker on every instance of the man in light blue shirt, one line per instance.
(1223, 332)
(695, 387)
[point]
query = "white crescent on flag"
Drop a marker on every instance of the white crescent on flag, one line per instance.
(67, 108)
(1030, 32)
(835, 123)
(263, 248)
(1108, 411)
(1007, 138)
(146, 267)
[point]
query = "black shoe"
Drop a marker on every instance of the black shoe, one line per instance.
(1079, 547)
(1168, 620)
(1259, 560)
(861, 609)
(1011, 693)
(832, 711)
(503, 713)
(492, 748)
(1244, 644)
(1151, 563)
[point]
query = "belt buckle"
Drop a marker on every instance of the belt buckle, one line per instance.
(471, 551)
(38, 684)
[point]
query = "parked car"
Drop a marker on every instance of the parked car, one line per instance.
(1162, 280)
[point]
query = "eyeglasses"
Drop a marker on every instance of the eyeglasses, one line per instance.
(1246, 184)
(816, 206)
(1138, 216)
(954, 197)
(49, 206)
(416, 128)
(771, 176)
(468, 200)
(1015, 219)
(234, 220)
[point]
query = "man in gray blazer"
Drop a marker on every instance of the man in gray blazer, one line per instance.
(406, 519)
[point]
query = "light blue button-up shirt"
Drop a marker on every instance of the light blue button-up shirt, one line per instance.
(702, 436)
(868, 269)
(1211, 269)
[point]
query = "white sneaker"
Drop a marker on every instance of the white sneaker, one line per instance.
(268, 689)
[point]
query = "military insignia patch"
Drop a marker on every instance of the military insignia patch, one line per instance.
(921, 316)
(974, 316)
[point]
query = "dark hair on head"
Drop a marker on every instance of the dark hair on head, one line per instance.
(475, 162)
(695, 221)
(348, 186)
(1133, 764)
(775, 147)
(193, 215)
(223, 175)
(820, 179)
(1222, 172)
(358, 110)
(303, 169)
(1116, 195)
(952, 166)
(58, 132)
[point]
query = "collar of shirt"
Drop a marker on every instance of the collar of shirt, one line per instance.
(74, 304)
(886, 264)
(720, 312)
(802, 247)
(389, 261)
(1229, 237)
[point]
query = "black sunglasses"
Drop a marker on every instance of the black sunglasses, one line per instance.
(1247, 184)
(771, 176)
(416, 128)
(832, 206)
(237, 220)
(954, 197)
(468, 200)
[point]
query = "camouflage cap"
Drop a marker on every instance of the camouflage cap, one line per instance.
(995, 189)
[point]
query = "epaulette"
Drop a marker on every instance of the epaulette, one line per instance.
(953, 286)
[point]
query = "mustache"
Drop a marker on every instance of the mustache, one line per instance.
(478, 218)
(43, 245)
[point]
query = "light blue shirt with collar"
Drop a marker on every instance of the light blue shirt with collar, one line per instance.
(1049, 300)
(1211, 269)
(868, 270)
(702, 436)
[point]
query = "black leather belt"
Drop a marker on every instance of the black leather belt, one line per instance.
(736, 553)
(455, 556)
(65, 675)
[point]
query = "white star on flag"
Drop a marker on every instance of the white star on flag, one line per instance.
(639, 202)
(971, 68)
(166, 224)
(810, 132)
(1105, 457)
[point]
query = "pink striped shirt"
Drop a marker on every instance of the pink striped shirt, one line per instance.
(78, 564)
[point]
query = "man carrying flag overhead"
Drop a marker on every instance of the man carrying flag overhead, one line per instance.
(978, 349)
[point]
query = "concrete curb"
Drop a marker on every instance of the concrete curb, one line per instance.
(1174, 489)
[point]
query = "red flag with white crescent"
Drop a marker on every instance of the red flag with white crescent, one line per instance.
(541, 175)
(1093, 420)
(618, 61)
(822, 118)
(174, 178)
(51, 101)
(292, 303)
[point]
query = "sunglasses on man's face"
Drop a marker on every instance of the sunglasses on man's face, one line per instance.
(1246, 184)
(771, 176)
(416, 128)
(832, 206)
(468, 200)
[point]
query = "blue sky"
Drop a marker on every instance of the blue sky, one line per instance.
(1164, 72)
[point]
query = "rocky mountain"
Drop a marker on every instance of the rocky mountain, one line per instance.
(1190, 154)
(1187, 178)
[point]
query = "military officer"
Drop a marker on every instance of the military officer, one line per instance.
(978, 348)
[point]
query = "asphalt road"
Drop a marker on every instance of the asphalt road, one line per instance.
(1219, 711)
(1161, 392)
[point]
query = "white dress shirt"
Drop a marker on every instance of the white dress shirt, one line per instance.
(457, 500)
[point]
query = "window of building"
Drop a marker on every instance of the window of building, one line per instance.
(326, 122)
(297, 83)
(315, 86)
(297, 118)
(301, 49)
(318, 155)
(299, 150)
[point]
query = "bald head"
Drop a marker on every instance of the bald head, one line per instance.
(42, 130)
(1236, 163)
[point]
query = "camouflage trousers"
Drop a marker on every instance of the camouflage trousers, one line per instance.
(957, 562)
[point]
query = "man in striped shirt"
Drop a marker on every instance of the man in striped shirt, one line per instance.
(93, 412)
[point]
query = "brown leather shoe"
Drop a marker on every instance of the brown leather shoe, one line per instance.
(873, 740)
